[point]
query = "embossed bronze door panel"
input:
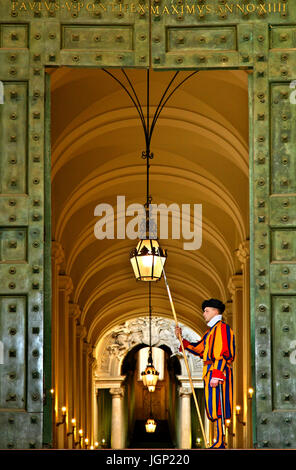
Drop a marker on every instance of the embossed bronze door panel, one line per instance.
(21, 240)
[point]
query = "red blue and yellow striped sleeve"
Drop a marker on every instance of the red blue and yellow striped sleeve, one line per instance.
(194, 348)
(223, 349)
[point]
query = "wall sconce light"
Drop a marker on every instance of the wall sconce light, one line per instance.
(96, 444)
(80, 433)
(86, 441)
(198, 443)
(103, 443)
(73, 422)
(237, 412)
(227, 424)
(51, 391)
(64, 414)
(250, 393)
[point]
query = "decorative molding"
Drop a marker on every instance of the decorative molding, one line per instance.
(235, 283)
(184, 391)
(65, 284)
(117, 392)
(74, 310)
(57, 252)
(185, 382)
(81, 331)
(109, 382)
(243, 252)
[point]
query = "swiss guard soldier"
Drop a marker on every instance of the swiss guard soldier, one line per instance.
(217, 349)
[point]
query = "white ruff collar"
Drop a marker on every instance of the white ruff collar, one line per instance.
(214, 320)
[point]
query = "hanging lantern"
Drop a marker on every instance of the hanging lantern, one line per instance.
(150, 425)
(148, 260)
(150, 377)
(150, 374)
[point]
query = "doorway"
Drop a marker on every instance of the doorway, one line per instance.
(200, 156)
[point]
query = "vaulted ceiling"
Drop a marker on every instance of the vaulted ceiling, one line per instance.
(200, 147)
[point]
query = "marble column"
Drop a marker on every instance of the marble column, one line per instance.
(185, 417)
(117, 423)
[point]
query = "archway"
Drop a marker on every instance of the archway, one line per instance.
(122, 417)
(201, 156)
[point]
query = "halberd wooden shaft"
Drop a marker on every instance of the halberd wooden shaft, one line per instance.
(186, 361)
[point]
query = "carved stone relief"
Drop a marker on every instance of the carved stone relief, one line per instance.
(117, 343)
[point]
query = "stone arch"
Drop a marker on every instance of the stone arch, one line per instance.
(115, 344)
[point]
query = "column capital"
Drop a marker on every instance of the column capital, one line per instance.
(85, 347)
(65, 283)
(74, 310)
(90, 350)
(117, 392)
(184, 391)
(81, 331)
(57, 252)
(93, 363)
(235, 283)
(243, 252)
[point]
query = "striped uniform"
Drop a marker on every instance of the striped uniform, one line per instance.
(217, 349)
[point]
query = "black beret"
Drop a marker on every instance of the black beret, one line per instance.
(214, 303)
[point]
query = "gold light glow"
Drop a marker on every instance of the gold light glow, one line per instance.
(198, 442)
(250, 392)
(150, 425)
(148, 260)
(237, 409)
(150, 377)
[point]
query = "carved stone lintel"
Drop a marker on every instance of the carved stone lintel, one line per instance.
(117, 392)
